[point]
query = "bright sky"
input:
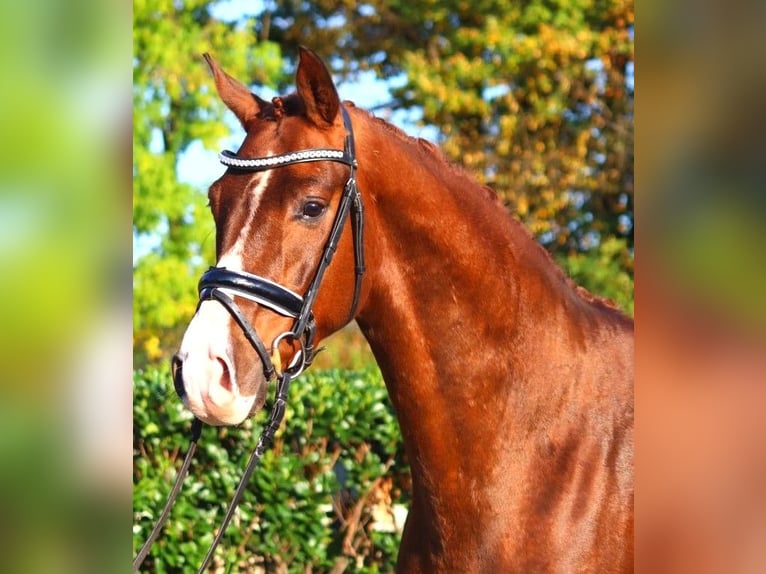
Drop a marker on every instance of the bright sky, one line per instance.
(231, 10)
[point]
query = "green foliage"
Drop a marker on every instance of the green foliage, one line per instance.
(310, 503)
(604, 270)
(174, 105)
(534, 98)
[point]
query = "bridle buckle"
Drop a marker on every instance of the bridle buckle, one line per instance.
(297, 364)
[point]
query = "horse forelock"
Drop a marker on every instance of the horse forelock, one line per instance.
(279, 107)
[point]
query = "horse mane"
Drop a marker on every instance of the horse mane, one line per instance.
(432, 151)
(434, 154)
(292, 104)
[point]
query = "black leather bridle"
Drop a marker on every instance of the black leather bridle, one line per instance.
(222, 285)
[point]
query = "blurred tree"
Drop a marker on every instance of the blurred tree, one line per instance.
(534, 98)
(175, 104)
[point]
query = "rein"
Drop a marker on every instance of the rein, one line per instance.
(222, 285)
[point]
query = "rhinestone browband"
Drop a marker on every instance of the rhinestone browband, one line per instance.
(232, 160)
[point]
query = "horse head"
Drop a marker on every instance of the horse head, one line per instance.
(279, 212)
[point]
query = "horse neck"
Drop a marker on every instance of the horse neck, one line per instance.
(459, 295)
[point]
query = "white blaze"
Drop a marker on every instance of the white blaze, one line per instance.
(206, 347)
(232, 259)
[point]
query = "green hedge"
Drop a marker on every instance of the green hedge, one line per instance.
(318, 500)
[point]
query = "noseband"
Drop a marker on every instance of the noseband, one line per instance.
(222, 285)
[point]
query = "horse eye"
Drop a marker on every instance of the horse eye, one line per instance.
(313, 209)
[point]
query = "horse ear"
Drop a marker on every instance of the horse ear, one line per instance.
(316, 89)
(235, 95)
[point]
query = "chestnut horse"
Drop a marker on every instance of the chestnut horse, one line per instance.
(513, 388)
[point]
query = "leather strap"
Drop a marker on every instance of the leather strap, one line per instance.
(244, 324)
(220, 283)
(196, 430)
(262, 291)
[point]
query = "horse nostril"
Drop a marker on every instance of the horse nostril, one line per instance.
(176, 368)
(225, 375)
